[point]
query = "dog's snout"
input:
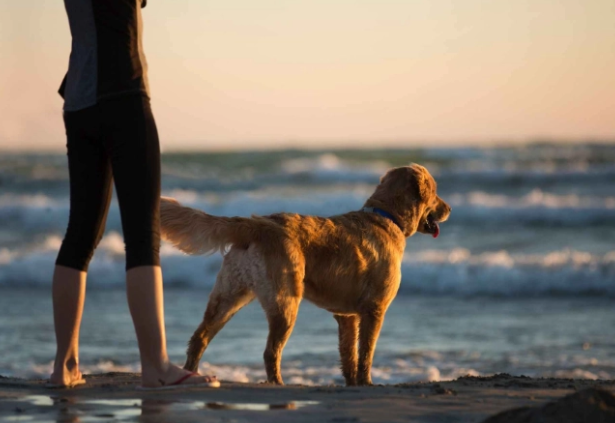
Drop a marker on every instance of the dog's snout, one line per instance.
(443, 206)
(444, 210)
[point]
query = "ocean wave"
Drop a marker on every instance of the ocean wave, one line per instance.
(40, 214)
(329, 167)
(331, 172)
(536, 198)
(33, 266)
(456, 272)
(536, 207)
(499, 273)
(325, 171)
(295, 372)
(457, 170)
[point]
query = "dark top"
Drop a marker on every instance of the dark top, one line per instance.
(106, 58)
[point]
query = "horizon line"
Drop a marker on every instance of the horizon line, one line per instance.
(339, 145)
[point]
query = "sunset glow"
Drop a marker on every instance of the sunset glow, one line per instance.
(245, 73)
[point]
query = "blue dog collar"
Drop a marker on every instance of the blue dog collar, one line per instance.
(383, 214)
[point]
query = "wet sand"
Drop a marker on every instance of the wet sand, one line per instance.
(114, 397)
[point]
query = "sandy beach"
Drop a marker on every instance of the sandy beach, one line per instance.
(114, 397)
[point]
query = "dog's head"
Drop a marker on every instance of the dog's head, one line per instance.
(409, 194)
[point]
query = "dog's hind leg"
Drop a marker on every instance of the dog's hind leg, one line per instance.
(281, 315)
(226, 299)
(348, 338)
(369, 330)
(280, 299)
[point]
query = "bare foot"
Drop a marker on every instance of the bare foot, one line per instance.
(64, 377)
(174, 375)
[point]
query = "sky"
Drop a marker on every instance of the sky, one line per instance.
(234, 74)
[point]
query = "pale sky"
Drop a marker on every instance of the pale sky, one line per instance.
(298, 73)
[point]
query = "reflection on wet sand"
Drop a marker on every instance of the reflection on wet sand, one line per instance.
(60, 409)
(293, 405)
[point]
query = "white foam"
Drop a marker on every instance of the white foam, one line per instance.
(451, 272)
(40, 214)
(294, 373)
(458, 272)
(33, 200)
(579, 374)
(298, 373)
(6, 256)
(112, 244)
(534, 199)
(330, 167)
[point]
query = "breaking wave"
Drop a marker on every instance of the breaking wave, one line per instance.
(457, 272)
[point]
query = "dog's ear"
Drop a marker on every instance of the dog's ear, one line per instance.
(420, 182)
(416, 196)
(386, 175)
(413, 175)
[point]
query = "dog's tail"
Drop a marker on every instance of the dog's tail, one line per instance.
(196, 232)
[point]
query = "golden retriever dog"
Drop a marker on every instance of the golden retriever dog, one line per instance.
(349, 265)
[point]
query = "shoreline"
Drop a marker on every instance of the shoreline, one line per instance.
(111, 397)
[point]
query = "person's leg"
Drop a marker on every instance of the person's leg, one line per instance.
(90, 194)
(132, 143)
(68, 295)
(145, 301)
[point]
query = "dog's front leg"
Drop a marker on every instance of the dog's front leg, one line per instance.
(348, 338)
(369, 330)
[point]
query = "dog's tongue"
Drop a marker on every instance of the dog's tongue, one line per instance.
(437, 232)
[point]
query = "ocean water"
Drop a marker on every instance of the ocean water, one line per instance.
(521, 279)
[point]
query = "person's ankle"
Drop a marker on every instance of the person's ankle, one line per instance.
(155, 368)
(69, 365)
(66, 372)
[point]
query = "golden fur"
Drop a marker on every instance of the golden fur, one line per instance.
(348, 264)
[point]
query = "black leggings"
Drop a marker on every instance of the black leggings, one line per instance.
(114, 140)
